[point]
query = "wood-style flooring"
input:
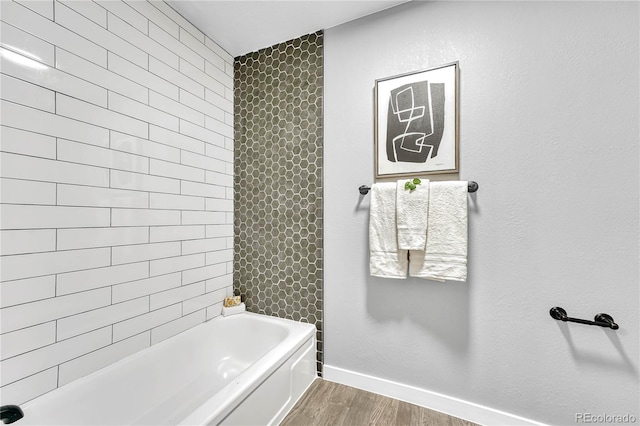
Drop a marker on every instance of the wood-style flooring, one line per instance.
(332, 404)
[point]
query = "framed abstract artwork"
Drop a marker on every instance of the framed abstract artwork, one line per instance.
(416, 123)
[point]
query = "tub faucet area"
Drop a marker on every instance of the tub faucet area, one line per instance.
(10, 413)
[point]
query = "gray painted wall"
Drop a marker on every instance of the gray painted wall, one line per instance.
(549, 129)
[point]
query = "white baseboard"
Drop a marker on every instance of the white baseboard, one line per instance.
(435, 401)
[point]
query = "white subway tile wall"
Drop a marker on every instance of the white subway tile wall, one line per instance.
(116, 185)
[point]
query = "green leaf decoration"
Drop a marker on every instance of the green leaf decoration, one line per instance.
(411, 184)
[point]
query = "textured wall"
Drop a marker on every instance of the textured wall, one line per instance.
(278, 180)
(549, 129)
(117, 140)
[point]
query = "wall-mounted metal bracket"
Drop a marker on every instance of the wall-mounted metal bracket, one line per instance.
(601, 320)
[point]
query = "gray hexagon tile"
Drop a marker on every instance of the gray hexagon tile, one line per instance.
(278, 181)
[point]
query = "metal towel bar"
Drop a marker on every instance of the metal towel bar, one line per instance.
(601, 320)
(364, 189)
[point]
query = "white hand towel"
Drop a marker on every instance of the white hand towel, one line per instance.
(385, 259)
(445, 255)
(412, 209)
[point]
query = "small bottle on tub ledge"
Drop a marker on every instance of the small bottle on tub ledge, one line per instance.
(232, 305)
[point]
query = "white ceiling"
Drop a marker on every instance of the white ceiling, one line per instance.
(244, 26)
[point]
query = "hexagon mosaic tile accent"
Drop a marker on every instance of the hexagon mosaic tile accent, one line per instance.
(278, 181)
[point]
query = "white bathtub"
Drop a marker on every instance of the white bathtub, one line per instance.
(245, 369)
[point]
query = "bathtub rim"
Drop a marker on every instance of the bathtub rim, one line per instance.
(239, 389)
(298, 334)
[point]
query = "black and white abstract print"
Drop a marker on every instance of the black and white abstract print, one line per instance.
(415, 122)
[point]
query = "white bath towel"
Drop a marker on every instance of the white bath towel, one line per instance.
(445, 256)
(412, 211)
(385, 259)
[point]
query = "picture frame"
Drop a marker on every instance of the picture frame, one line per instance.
(416, 123)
